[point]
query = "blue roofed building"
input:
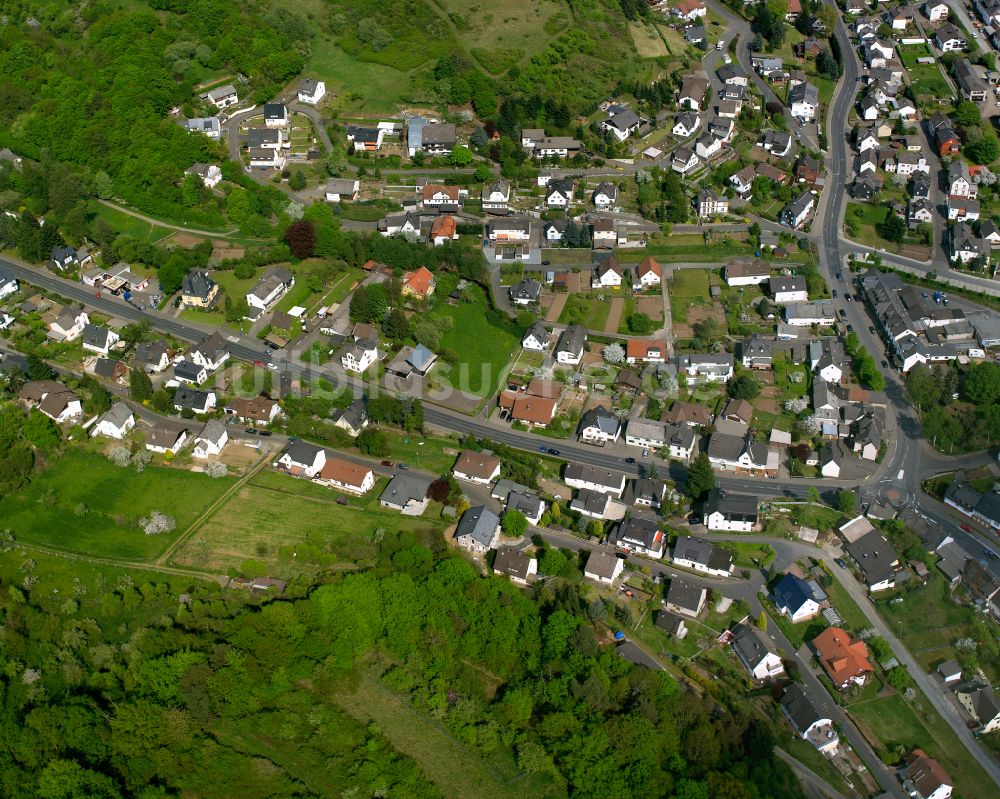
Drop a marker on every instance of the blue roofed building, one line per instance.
(794, 598)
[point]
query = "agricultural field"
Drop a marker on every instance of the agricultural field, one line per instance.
(105, 503)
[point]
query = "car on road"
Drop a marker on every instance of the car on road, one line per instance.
(270, 345)
(390, 464)
(850, 328)
(990, 553)
(871, 329)
(848, 297)
(645, 453)
(885, 364)
(835, 293)
(840, 275)
(552, 451)
(543, 448)
(265, 433)
(966, 527)
(843, 314)
(630, 460)
(840, 562)
(402, 466)
(273, 367)
(250, 431)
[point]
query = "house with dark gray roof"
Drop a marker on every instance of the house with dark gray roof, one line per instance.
(806, 720)
(193, 399)
(569, 347)
(876, 559)
(520, 568)
(640, 535)
(406, 493)
(478, 530)
(599, 426)
(755, 652)
(685, 598)
(702, 556)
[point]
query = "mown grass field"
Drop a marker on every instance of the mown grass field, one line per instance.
(356, 86)
(290, 529)
(83, 503)
(583, 309)
(688, 287)
(129, 225)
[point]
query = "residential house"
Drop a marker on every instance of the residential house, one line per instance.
(707, 146)
(739, 411)
(702, 556)
(741, 454)
(648, 275)
(603, 566)
(311, 91)
(8, 283)
(478, 530)
(537, 337)
(114, 422)
(645, 493)
(959, 181)
(599, 426)
(640, 535)
(935, 11)
(827, 359)
(706, 368)
(809, 723)
(190, 372)
(553, 230)
(405, 493)
(526, 292)
(437, 138)
(477, 467)
(68, 325)
(99, 339)
(803, 102)
(223, 96)
(906, 163)
(686, 124)
(806, 314)
(166, 439)
(152, 356)
(793, 597)
(742, 181)
(267, 158)
(211, 440)
(508, 231)
(496, 196)
(683, 160)
(950, 671)
(257, 411)
(443, 230)
(982, 704)
(971, 84)
(731, 512)
(797, 211)
(339, 189)
(918, 212)
(755, 651)
(520, 568)
(672, 624)
(963, 209)
(844, 660)
(353, 418)
(688, 413)
(434, 195)
(594, 478)
(114, 371)
(948, 38)
(876, 559)
(209, 174)
(966, 247)
(207, 126)
(622, 124)
(709, 203)
(346, 476)
(406, 225)
(692, 93)
(608, 274)
(689, 10)
(685, 598)
(269, 289)
(923, 777)
(212, 352)
(732, 74)
(302, 459)
(695, 34)
(776, 142)
(644, 350)
(746, 273)
(605, 196)
(198, 290)
(194, 400)
(570, 346)
(359, 355)
(788, 288)
(557, 147)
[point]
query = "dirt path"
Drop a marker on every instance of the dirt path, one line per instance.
(615, 315)
(558, 302)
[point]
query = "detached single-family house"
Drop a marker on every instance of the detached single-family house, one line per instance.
(685, 598)
(357, 356)
(275, 115)
(692, 93)
(114, 422)
(222, 97)
(520, 568)
(570, 346)
(419, 283)
(537, 338)
(477, 467)
(211, 440)
(797, 211)
(257, 411)
(788, 288)
(709, 203)
(923, 777)
(702, 556)
(686, 124)
(948, 38)
(198, 290)
(302, 459)
(876, 559)
(478, 530)
(803, 101)
(164, 438)
(731, 512)
(935, 10)
(99, 339)
(683, 160)
(496, 196)
(269, 289)
(747, 273)
(339, 189)
(599, 426)
(982, 704)
(844, 660)
(353, 418)
(793, 597)
(608, 274)
(346, 476)
(212, 352)
(194, 400)
(593, 478)
(190, 372)
(8, 283)
(706, 368)
(640, 535)
(208, 174)
(810, 724)
(405, 493)
(311, 91)
(755, 651)
(648, 275)
(603, 566)
(606, 196)
(68, 325)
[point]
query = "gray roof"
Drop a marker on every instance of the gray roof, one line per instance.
(188, 370)
(593, 502)
(197, 283)
(786, 283)
(96, 336)
(751, 644)
(527, 289)
(118, 414)
(874, 556)
(439, 133)
(275, 111)
(478, 523)
(799, 707)
(510, 561)
(638, 530)
(601, 418)
(593, 474)
(308, 85)
(202, 124)
(404, 488)
(302, 451)
(985, 703)
(602, 563)
(354, 414)
(572, 339)
(420, 357)
(192, 398)
(261, 136)
(164, 435)
(222, 91)
(703, 552)
(213, 431)
(105, 367)
(804, 92)
(624, 120)
(150, 351)
(539, 332)
(213, 346)
(685, 595)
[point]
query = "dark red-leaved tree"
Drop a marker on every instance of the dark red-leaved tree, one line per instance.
(301, 239)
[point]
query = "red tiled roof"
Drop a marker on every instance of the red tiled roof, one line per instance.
(647, 264)
(431, 189)
(344, 472)
(537, 410)
(841, 657)
(443, 226)
(420, 281)
(639, 348)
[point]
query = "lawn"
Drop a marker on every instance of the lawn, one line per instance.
(479, 338)
(568, 256)
(895, 722)
(288, 531)
(587, 310)
(688, 287)
(807, 755)
(355, 86)
(692, 247)
(455, 768)
(928, 82)
(854, 618)
(429, 453)
(342, 286)
(83, 503)
(299, 294)
(128, 224)
(927, 618)
(647, 40)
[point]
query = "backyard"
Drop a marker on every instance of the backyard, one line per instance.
(590, 310)
(105, 503)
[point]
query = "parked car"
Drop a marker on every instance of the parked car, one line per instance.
(840, 562)
(885, 364)
(390, 464)
(843, 314)
(834, 293)
(553, 452)
(630, 460)
(871, 329)
(543, 448)
(265, 433)
(402, 466)
(250, 431)
(850, 328)
(966, 527)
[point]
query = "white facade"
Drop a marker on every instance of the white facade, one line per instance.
(718, 521)
(318, 93)
(359, 359)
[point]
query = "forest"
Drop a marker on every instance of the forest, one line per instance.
(158, 688)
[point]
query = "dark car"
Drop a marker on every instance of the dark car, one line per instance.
(402, 466)
(848, 297)
(270, 345)
(390, 464)
(630, 460)
(885, 364)
(840, 562)
(840, 275)
(843, 314)
(871, 329)
(513, 386)
(543, 448)
(265, 433)
(250, 431)
(990, 554)
(546, 263)
(553, 452)
(850, 328)
(835, 293)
